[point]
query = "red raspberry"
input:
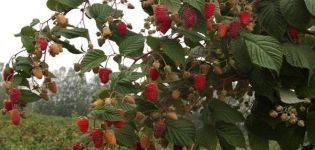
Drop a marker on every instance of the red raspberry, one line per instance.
(15, 95)
(97, 136)
(7, 74)
(178, 147)
(165, 24)
(83, 124)
(42, 43)
(77, 146)
(245, 18)
(222, 29)
(15, 116)
(7, 105)
(153, 73)
(104, 74)
(190, 17)
(121, 112)
(151, 92)
(160, 12)
(119, 124)
(235, 28)
(122, 29)
(138, 146)
(208, 10)
(199, 81)
(209, 25)
(159, 128)
(293, 33)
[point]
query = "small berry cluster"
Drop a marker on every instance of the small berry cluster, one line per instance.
(290, 114)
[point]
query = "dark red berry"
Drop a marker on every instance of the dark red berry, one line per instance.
(122, 29)
(153, 73)
(199, 81)
(7, 74)
(245, 18)
(189, 17)
(83, 124)
(42, 43)
(151, 92)
(97, 136)
(208, 10)
(293, 33)
(7, 105)
(15, 95)
(159, 128)
(119, 124)
(235, 28)
(77, 146)
(104, 74)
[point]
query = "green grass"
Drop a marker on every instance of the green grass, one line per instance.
(38, 132)
(42, 132)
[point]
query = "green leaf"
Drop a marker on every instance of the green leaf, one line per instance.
(34, 22)
(198, 4)
(310, 4)
(71, 33)
(193, 36)
(63, 5)
(264, 51)
(17, 80)
(310, 127)
(299, 56)
(154, 42)
(257, 143)
(223, 112)
(126, 136)
(242, 60)
(231, 134)
(132, 45)
(126, 88)
(132, 76)
(105, 113)
(180, 132)
(28, 43)
(295, 12)
(271, 19)
(289, 97)
(264, 83)
(207, 131)
(28, 96)
(307, 91)
(28, 38)
(92, 59)
(259, 127)
(172, 5)
(201, 24)
(23, 65)
(71, 48)
(173, 50)
(100, 12)
(289, 137)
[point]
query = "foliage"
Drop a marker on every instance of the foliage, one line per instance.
(260, 48)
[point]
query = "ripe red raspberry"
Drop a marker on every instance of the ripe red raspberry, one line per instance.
(293, 33)
(178, 147)
(222, 29)
(189, 17)
(15, 95)
(151, 92)
(245, 18)
(77, 146)
(97, 136)
(119, 124)
(209, 25)
(159, 128)
(15, 116)
(199, 81)
(165, 24)
(153, 73)
(83, 124)
(235, 28)
(7, 105)
(104, 74)
(122, 29)
(7, 74)
(42, 43)
(160, 12)
(208, 10)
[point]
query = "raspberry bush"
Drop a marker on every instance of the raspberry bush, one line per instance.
(178, 76)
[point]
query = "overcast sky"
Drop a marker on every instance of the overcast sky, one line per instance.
(18, 13)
